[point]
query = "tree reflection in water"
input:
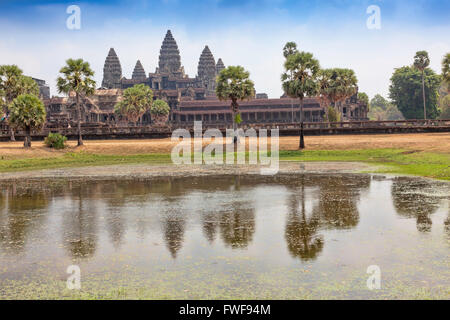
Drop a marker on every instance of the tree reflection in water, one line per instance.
(80, 222)
(301, 232)
(414, 198)
(23, 214)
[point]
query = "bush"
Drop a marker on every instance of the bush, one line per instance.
(55, 140)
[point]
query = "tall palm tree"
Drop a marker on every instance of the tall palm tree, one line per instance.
(233, 83)
(421, 62)
(299, 80)
(136, 101)
(77, 77)
(12, 84)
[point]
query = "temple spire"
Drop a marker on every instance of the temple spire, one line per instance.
(112, 71)
(207, 70)
(138, 72)
(169, 55)
(219, 66)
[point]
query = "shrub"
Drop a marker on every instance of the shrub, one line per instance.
(55, 140)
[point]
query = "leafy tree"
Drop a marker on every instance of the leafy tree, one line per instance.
(342, 85)
(289, 49)
(12, 84)
(446, 70)
(77, 76)
(421, 62)
(406, 90)
(136, 101)
(233, 83)
(333, 115)
(323, 83)
(299, 80)
(363, 97)
(27, 112)
(445, 107)
(380, 102)
(160, 108)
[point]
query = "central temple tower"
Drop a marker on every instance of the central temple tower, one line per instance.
(169, 56)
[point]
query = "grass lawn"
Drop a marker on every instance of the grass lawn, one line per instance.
(427, 164)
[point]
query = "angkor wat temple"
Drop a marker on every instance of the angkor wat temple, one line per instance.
(189, 98)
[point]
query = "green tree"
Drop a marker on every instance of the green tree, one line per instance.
(76, 76)
(12, 84)
(136, 101)
(160, 110)
(342, 85)
(233, 83)
(27, 112)
(363, 97)
(299, 80)
(379, 101)
(446, 70)
(406, 91)
(289, 49)
(445, 107)
(323, 83)
(421, 62)
(333, 115)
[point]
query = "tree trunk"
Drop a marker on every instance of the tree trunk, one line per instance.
(13, 138)
(80, 138)
(423, 94)
(27, 140)
(234, 109)
(302, 139)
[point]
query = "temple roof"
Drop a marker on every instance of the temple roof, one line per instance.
(138, 72)
(112, 70)
(219, 66)
(206, 65)
(169, 55)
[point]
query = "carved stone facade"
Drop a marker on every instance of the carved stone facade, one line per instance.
(112, 71)
(207, 71)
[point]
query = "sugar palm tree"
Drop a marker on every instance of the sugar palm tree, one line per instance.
(159, 111)
(27, 112)
(421, 62)
(233, 83)
(342, 84)
(12, 84)
(136, 101)
(77, 76)
(299, 80)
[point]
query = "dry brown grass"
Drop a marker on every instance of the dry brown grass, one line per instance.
(430, 142)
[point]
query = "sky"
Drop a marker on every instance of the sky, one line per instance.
(34, 35)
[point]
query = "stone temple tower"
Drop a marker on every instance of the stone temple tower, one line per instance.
(207, 71)
(112, 71)
(219, 66)
(138, 72)
(169, 56)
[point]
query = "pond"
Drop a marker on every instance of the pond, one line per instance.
(302, 236)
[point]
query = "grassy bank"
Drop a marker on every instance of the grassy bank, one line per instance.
(433, 165)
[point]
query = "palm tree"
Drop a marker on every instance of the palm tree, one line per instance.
(342, 84)
(160, 111)
(446, 70)
(323, 84)
(136, 101)
(289, 49)
(233, 83)
(77, 77)
(421, 62)
(299, 80)
(12, 84)
(27, 112)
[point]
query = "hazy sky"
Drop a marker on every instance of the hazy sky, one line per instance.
(33, 35)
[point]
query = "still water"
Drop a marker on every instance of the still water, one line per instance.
(282, 237)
